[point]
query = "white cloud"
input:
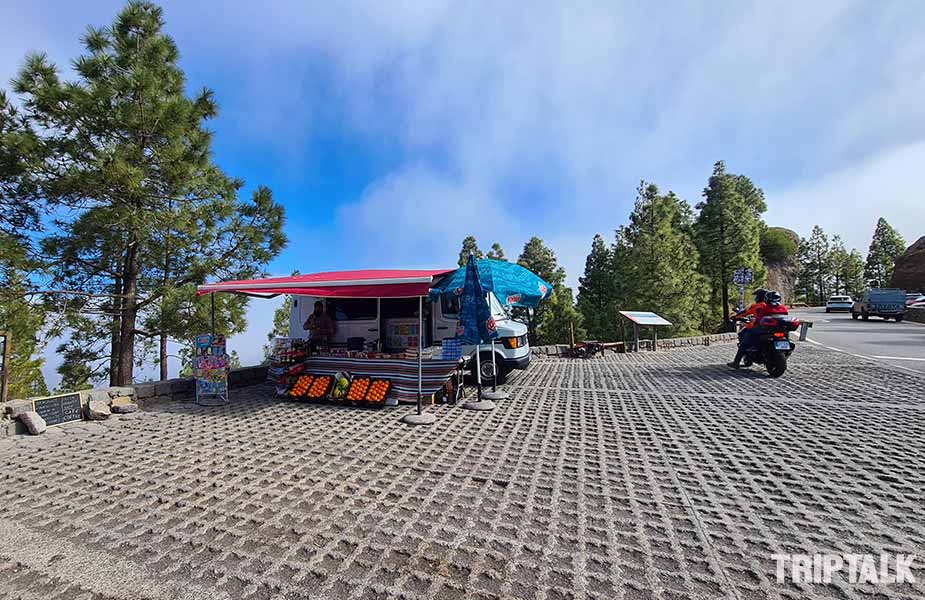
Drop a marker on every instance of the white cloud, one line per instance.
(544, 125)
(849, 200)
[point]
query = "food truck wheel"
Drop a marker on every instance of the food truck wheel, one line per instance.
(488, 371)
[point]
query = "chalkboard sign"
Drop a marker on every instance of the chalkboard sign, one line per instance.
(59, 409)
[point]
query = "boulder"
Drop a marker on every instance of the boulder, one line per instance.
(116, 392)
(97, 411)
(123, 409)
(909, 272)
(14, 408)
(121, 400)
(94, 395)
(33, 422)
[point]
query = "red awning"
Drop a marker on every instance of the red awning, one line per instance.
(373, 283)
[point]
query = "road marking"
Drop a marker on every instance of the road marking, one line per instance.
(871, 358)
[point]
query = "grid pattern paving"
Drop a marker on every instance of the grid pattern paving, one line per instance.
(658, 475)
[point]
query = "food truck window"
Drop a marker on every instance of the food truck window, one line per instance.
(399, 308)
(352, 309)
(449, 305)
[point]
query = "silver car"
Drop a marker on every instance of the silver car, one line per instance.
(836, 303)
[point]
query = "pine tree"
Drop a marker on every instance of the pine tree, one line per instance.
(558, 315)
(22, 321)
(469, 246)
(542, 260)
(20, 197)
(661, 260)
(183, 251)
(852, 274)
(496, 252)
(22, 314)
(819, 265)
(727, 233)
(597, 293)
(846, 275)
(805, 287)
(885, 246)
(149, 215)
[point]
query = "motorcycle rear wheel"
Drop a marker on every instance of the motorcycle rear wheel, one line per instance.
(776, 364)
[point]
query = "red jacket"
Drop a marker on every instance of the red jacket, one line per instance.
(751, 311)
(768, 310)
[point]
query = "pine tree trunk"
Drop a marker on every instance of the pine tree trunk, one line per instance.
(115, 326)
(165, 282)
(129, 314)
(163, 356)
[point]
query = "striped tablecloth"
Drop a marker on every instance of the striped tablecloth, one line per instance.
(402, 372)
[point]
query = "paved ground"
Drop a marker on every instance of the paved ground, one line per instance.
(899, 344)
(652, 476)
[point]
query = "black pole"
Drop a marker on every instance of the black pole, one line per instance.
(420, 351)
(494, 368)
(212, 299)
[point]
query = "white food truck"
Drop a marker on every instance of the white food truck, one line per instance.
(392, 323)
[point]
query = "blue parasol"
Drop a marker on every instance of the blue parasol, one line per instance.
(511, 283)
(475, 320)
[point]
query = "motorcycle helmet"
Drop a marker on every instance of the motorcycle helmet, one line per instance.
(760, 295)
(773, 298)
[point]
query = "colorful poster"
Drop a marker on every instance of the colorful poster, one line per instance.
(210, 368)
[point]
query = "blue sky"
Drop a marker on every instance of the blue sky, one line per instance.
(391, 130)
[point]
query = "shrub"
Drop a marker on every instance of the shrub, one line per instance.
(778, 244)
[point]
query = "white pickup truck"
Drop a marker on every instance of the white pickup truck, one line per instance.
(889, 303)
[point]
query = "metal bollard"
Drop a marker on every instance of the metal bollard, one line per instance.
(804, 329)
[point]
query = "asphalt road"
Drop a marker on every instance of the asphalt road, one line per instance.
(899, 344)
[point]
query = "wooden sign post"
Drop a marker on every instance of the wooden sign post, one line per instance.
(5, 365)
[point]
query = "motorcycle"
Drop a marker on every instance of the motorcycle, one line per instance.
(773, 347)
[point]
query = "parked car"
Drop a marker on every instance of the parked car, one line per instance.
(915, 298)
(918, 304)
(889, 303)
(835, 303)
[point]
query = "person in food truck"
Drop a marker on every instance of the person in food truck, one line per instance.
(321, 327)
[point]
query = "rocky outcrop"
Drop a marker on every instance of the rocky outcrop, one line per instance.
(782, 277)
(909, 273)
(779, 247)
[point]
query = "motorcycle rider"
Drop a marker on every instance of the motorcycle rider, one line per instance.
(773, 305)
(750, 331)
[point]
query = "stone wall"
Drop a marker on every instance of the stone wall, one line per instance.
(141, 394)
(182, 388)
(646, 344)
